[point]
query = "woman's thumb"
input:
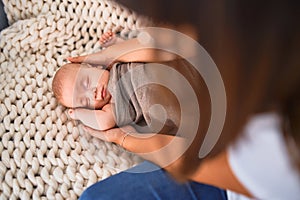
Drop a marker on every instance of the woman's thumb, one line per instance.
(78, 59)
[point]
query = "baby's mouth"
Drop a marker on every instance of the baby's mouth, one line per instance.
(100, 92)
(103, 93)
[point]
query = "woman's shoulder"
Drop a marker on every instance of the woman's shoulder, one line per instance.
(260, 158)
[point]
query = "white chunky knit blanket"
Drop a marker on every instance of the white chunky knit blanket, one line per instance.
(43, 153)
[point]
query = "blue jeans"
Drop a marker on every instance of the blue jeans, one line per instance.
(150, 183)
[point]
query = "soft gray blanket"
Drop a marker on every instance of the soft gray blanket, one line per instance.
(150, 96)
(140, 99)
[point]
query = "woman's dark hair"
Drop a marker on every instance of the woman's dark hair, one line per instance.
(256, 46)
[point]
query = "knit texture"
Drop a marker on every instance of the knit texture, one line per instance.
(44, 155)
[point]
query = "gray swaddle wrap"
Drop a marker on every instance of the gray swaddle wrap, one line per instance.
(140, 99)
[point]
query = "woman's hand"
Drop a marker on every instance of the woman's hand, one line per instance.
(132, 50)
(115, 135)
(98, 58)
(152, 147)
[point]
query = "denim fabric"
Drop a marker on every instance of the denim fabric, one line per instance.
(3, 18)
(149, 184)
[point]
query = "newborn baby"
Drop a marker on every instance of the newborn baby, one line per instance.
(102, 99)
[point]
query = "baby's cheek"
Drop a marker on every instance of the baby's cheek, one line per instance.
(99, 105)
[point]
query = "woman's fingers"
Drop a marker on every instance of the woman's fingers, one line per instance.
(94, 58)
(95, 133)
(114, 135)
(78, 59)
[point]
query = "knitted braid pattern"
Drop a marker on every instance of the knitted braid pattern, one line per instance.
(44, 155)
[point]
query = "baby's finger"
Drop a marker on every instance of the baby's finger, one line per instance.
(71, 113)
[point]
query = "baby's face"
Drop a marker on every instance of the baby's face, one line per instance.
(86, 87)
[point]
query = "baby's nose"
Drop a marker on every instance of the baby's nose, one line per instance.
(94, 93)
(98, 95)
(91, 93)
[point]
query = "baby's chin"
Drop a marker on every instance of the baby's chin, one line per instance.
(100, 104)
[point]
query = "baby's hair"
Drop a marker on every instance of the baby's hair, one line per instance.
(60, 75)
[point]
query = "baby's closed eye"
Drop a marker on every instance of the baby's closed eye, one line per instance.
(85, 102)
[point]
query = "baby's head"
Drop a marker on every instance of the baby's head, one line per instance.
(81, 85)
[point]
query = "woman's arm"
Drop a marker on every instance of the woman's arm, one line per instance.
(140, 49)
(216, 171)
(167, 151)
(96, 119)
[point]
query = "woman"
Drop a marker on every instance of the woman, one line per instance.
(255, 46)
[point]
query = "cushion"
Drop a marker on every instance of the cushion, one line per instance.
(44, 155)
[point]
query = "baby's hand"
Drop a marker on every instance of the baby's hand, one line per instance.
(85, 116)
(92, 118)
(79, 113)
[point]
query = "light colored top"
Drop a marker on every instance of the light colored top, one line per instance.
(261, 162)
